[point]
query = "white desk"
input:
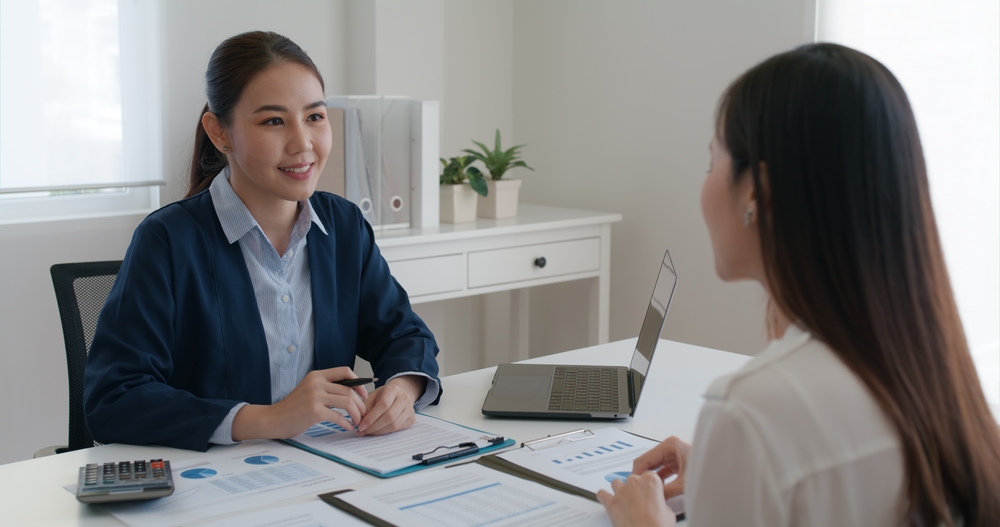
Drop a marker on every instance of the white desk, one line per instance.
(489, 256)
(31, 491)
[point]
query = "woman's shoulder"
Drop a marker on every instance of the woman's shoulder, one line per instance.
(182, 213)
(794, 378)
(806, 405)
(180, 222)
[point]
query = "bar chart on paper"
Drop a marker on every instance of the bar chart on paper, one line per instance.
(324, 429)
(590, 464)
(602, 450)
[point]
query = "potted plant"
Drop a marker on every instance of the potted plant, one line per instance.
(501, 199)
(458, 200)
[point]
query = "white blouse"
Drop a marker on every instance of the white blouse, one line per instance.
(793, 438)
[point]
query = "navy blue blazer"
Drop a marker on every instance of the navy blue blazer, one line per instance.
(180, 340)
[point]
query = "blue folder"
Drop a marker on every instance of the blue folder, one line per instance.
(419, 466)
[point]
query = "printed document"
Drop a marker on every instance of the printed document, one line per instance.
(390, 452)
(590, 463)
(232, 478)
(313, 513)
(473, 495)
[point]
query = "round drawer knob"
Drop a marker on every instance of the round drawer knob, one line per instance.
(540, 261)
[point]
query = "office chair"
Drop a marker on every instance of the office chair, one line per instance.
(81, 290)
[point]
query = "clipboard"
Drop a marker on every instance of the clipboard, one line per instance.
(495, 462)
(330, 498)
(407, 470)
(502, 465)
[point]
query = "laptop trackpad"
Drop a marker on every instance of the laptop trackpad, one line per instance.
(522, 386)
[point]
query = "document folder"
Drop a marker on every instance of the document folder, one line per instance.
(417, 465)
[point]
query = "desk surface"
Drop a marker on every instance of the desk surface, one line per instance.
(31, 491)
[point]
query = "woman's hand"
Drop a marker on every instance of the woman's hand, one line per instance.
(642, 498)
(309, 403)
(390, 407)
(667, 459)
(638, 501)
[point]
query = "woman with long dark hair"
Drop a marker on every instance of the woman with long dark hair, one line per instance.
(237, 309)
(865, 409)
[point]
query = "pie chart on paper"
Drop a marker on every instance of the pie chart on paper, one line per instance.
(261, 460)
(198, 473)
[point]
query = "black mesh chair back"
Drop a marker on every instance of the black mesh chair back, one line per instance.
(81, 290)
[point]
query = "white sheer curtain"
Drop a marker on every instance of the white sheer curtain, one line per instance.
(79, 107)
(947, 57)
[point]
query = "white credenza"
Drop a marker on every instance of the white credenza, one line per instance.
(542, 245)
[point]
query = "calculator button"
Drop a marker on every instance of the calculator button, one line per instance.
(90, 474)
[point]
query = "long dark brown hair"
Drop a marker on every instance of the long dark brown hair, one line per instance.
(851, 250)
(233, 65)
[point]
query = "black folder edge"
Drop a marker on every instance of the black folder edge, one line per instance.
(331, 499)
(495, 462)
(500, 464)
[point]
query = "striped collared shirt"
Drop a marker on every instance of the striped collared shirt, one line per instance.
(282, 285)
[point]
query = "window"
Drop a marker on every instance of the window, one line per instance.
(79, 108)
(947, 57)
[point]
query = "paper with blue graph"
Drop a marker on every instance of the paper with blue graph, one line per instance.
(313, 513)
(590, 462)
(227, 479)
(473, 495)
(392, 454)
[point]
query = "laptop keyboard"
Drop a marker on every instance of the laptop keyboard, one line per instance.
(584, 389)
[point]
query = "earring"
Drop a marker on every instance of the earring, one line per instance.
(225, 149)
(748, 216)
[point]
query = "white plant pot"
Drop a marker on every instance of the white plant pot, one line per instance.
(458, 203)
(501, 201)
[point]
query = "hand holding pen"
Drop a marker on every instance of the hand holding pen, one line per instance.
(310, 402)
(361, 381)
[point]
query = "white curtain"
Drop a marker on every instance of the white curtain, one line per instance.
(61, 92)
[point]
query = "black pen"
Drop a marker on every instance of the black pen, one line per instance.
(350, 383)
(451, 455)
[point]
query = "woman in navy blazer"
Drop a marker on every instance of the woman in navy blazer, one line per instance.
(181, 355)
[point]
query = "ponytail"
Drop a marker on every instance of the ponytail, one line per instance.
(233, 65)
(207, 161)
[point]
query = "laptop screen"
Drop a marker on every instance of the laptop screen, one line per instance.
(652, 324)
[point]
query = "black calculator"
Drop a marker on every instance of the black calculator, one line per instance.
(124, 481)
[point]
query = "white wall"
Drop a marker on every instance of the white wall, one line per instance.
(477, 99)
(458, 52)
(616, 101)
(34, 393)
(191, 31)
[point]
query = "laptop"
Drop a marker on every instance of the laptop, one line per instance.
(584, 392)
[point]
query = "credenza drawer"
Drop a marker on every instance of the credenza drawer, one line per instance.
(428, 276)
(515, 264)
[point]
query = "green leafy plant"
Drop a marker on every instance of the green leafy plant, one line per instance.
(457, 170)
(498, 161)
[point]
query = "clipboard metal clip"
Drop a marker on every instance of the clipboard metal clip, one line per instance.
(551, 441)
